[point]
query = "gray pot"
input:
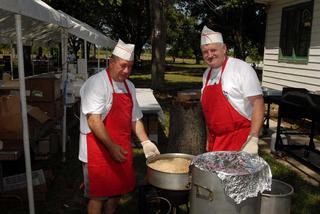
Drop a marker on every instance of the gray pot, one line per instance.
(207, 196)
(278, 200)
(168, 181)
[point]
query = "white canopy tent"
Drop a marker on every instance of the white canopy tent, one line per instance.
(34, 22)
(28, 21)
(39, 21)
(88, 33)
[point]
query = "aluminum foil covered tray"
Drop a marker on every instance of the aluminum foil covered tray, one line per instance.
(243, 175)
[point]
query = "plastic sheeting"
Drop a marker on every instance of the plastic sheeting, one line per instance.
(243, 175)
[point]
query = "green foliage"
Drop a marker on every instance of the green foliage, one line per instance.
(128, 20)
(4, 46)
(182, 35)
(252, 51)
(241, 22)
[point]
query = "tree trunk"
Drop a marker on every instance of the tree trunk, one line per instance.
(158, 41)
(239, 50)
(198, 60)
(187, 132)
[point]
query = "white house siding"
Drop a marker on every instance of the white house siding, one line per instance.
(279, 74)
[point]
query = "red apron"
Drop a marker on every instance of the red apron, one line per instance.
(106, 176)
(228, 130)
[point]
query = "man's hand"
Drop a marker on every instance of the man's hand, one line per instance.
(149, 148)
(251, 145)
(117, 152)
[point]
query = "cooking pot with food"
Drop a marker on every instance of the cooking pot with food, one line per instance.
(169, 171)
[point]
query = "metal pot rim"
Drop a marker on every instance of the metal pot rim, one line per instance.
(167, 156)
(282, 195)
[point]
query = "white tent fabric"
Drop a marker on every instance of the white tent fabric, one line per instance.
(40, 22)
(88, 33)
(35, 9)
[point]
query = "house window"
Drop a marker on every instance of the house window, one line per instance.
(295, 33)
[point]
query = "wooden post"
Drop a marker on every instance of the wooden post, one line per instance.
(187, 132)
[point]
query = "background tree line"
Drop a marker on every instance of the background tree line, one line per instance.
(172, 27)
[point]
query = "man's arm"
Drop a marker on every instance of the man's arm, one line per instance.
(257, 114)
(138, 129)
(96, 125)
(149, 148)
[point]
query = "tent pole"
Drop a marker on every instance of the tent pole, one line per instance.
(11, 61)
(64, 44)
(85, 51)
(22, 85)
(98, 59)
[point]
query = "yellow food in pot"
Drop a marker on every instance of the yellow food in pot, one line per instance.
(171, 165)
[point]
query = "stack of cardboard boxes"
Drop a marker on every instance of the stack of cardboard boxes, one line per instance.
(44, 92)
(11, 119)
(44, 106)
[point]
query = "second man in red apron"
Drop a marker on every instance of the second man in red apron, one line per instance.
(231, 99)
(109, 112)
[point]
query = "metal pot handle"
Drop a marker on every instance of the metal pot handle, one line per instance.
(204, 192)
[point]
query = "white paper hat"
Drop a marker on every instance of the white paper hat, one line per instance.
(124, 51)
(209, 36)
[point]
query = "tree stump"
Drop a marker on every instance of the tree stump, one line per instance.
(187, 132)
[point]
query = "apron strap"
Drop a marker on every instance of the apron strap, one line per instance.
(208, 77)
(111, 82)
(222, 69)
(126, 85)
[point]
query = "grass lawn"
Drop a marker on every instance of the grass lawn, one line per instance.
(65, 196)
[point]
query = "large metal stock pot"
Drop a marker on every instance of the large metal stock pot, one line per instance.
(165, 180)
(207, 196)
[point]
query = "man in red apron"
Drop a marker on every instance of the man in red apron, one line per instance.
(232, 100)
(109, 112)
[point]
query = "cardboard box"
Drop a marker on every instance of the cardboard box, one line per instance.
(16, 185)
(48, 144)
(11, 118)
(53, 109)
(44, 88)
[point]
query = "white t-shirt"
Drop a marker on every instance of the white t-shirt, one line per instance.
(239, 81)
(96, 98)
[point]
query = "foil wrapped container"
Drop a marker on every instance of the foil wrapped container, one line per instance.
(242, 174)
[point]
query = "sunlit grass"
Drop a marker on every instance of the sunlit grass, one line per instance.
(172, 77)
(176, 78)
